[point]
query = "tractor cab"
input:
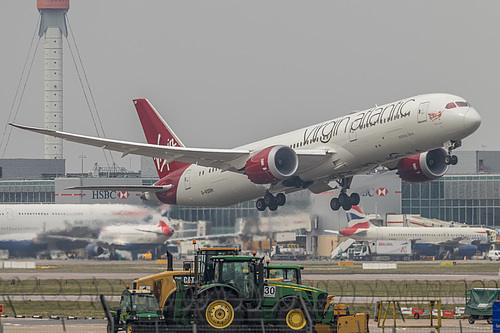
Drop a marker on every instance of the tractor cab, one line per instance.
(240, 272)
(283, 273)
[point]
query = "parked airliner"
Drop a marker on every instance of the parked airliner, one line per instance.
(415, 135)
(28, 228)
(442, 242)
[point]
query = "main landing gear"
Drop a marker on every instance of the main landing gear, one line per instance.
(344, 200)
(270, 201)
(452, 159)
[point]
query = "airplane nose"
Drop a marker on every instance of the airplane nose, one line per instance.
(472, 120)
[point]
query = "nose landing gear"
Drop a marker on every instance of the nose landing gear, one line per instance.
(452, 159)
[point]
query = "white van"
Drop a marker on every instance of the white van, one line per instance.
(494, 255)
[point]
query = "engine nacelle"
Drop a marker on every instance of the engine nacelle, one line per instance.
(465, 250)
(423, 167)
(272, 164)
(94, 250)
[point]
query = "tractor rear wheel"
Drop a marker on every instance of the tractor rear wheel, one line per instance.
(220, 310)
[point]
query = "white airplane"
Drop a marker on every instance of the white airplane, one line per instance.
(28, 228)
(457, 242)
(141, 237)
(415, 135)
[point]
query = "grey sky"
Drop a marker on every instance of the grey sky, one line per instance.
(224, 73)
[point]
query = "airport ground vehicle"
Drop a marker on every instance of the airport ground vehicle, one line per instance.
(494, 255)
(239, 295)
(138, 309)
(381, 250)
(288, 252)
(163, 284)
(283, 273)
(479, 303)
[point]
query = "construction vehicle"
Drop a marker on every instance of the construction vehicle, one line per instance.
(239, 295)
(479, 303)
(138, 310)
(163, 285)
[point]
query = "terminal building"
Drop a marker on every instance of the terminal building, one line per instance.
(469, 193)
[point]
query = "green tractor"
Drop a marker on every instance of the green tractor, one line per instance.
(138, 311)
(239, 296)
(283, 273)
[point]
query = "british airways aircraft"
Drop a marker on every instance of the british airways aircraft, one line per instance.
(456, 242)
(26, 229)
(415, 135)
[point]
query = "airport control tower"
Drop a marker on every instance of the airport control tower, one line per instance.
(53, 27)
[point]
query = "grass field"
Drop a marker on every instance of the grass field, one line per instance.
(453, 291)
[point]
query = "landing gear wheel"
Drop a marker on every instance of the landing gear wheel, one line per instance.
(343, 197)
(268, 199)
(261, 205)
(354, 199)
(447, 159)
(273, 206)
(347, 205)
(335, 204)
(454, 159)
(280, 199)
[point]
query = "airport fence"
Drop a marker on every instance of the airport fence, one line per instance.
(74, 305)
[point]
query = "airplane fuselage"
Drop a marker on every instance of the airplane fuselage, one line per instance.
(357, 142)
(425, 235)
(21, 226)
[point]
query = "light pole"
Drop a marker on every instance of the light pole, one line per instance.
(82, 157)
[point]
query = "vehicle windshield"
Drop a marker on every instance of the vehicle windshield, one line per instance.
(284, 273)
(145, 303)
(236, 273)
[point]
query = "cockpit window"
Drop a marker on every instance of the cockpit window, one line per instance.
(452, 105)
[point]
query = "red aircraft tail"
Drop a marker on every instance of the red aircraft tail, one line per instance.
(158, 132)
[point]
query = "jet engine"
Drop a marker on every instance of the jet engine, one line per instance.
(94, 250)
(423, 167)
(271, 164)
(465, 250)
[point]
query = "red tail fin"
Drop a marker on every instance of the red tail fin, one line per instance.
(158, 132)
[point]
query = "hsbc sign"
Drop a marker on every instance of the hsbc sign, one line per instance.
(103, 195)
(382, 191)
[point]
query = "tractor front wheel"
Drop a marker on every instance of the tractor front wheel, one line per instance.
(291, 316)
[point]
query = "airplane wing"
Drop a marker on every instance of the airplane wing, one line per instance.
(452, 242)
(130, 188)
(225, 159)
(360, 232)
(219, 236)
